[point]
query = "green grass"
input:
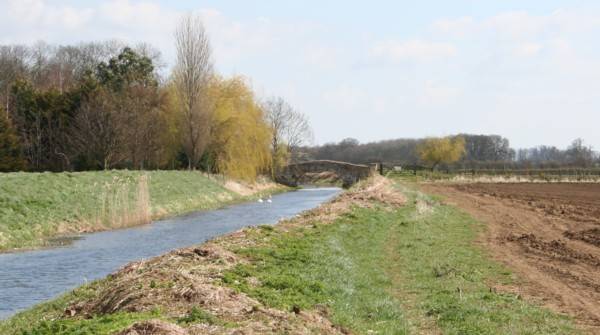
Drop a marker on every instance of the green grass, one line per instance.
(340, 266)
(397, 272)
(435, 260)
(35, 206)
(48, 318)
(97, 325)
(102, 325)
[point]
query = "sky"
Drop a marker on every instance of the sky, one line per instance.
(528, 70)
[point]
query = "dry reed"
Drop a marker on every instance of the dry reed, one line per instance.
(123, 202)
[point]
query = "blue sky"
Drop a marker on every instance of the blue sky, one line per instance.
(528, 70)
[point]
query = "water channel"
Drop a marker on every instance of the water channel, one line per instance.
(28, 278)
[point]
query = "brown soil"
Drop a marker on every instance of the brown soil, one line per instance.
(591, 236)
(547, 233)
(192, 278)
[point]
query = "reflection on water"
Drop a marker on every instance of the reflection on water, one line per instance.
(63, 241)
(31, 277)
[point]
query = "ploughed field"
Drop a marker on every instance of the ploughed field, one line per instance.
(549, 234)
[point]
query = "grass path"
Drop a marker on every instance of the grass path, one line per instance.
(448, 282)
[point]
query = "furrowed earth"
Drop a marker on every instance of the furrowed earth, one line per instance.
(548, 233)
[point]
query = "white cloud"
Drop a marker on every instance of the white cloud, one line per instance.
(412, 50)
(519, 25)
(38, 14)
(528, 49)
(141, 14)
(323, 56)
(134, 21)
(457, 27)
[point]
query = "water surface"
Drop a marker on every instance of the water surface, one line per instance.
(31, 277)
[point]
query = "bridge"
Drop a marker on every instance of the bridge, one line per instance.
(324, 172)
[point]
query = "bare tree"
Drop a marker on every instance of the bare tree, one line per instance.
(192, 72)
(290, 127)
(578, 154)
(13, 64)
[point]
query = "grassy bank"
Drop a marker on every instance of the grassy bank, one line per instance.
(37, 206)
(413, 270)
(367, 268)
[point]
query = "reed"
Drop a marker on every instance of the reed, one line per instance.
(124, 202)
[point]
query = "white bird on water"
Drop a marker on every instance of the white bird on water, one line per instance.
(269, 200)
(260, 200)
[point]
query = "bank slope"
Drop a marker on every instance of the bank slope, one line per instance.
(34, 207)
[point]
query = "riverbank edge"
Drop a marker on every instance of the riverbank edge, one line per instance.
(216, 252)
(61, 239)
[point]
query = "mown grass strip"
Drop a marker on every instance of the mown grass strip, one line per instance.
(434, 258)
(340, 266)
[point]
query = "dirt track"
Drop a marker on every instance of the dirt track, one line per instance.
(549, 234)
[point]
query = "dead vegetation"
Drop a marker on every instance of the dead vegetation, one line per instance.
(367, 194)
(153, 327)
(189, 279)
(243, 188)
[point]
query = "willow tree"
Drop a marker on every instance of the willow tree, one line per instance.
(191, 75)
(240, 138)
(445, 150)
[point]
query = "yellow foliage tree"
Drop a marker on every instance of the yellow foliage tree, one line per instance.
(441, 150)
(240, 138)
(172, 117)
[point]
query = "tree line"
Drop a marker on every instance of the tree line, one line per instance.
(463, 151)
(105, 105)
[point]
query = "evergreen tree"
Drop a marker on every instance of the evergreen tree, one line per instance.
(11, 158)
